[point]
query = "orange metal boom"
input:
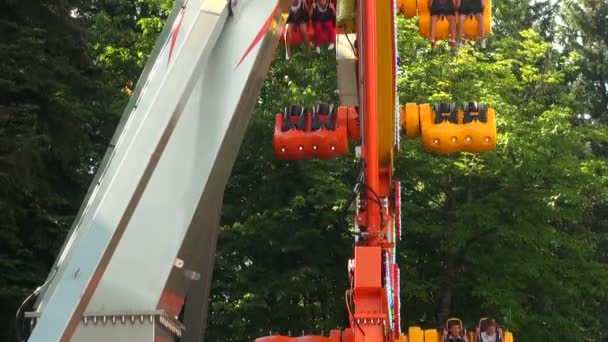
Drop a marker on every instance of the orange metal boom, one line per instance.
(373, 272)
(374, 266)
(373, 299)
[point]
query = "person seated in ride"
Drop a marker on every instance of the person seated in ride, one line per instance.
(447, 9)
(454, 332)
(297, 20)
(487, 331)
(474, 8)
(324, 18)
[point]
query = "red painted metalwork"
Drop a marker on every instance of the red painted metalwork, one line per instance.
(397, 206)
(309, 338)
(371, 319)
(375, 292)
(354, 123)
(397, 300)
(170, 302)
(334, 336)
(175, 32)
(307, 143)
(263, 30)
(325, 35)
(368, 102)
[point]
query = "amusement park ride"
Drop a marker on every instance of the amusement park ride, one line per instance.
(138, 261)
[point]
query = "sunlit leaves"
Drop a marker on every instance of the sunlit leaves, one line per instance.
(507, 233)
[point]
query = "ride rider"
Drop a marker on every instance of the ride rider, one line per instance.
(454, 332)
(474, 8)
(324, 19)
(297, 20)
(447, 9)
(487, 331)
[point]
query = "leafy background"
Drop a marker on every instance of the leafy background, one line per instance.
(520, 233)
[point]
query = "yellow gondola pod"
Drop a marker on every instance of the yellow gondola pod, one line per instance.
(410, 120)
(423, 8)
(480, 136)
(407, 8)
(442, 30)
(415, 334)
(448, 137)
(402, 338)
(432, 335)
(470, 23)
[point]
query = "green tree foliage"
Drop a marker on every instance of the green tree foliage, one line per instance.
(520, 233)
(283, 251)
(513, 16)
(584, 31)
(54, 127)
(512, 233)
(124, 33)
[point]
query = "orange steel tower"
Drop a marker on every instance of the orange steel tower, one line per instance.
(374, 275)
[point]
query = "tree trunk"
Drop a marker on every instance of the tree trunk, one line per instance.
(445, 306)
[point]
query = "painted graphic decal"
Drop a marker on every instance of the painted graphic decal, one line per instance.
(260, 34)
(175, 32)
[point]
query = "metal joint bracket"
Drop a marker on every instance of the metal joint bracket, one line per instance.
(233, 8)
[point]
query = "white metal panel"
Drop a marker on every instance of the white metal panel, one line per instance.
(173, 149)
(126, 174)
(138, 332)
(132, 118)
(347, 70)
(207, 136)
(236, 97)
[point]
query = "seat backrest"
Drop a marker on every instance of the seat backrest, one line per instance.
(328, 112)
(294, 110)
(445, 111)
(323, 108)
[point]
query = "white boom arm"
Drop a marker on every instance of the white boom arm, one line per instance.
(143, 243)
